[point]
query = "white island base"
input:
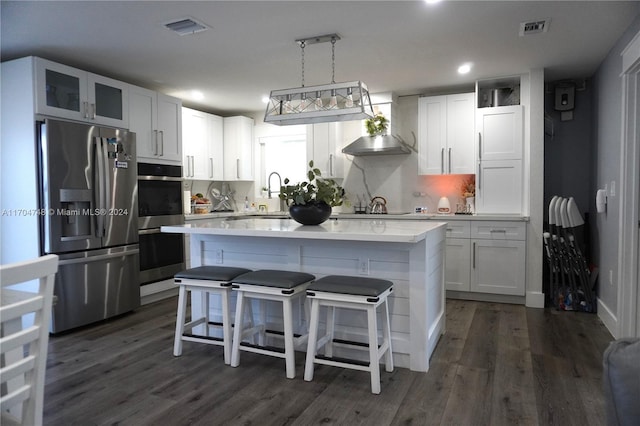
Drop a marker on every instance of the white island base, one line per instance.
(411, 254)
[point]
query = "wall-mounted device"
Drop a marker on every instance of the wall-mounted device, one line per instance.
(565, 96)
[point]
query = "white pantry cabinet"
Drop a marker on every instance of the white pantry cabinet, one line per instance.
(324, 142)
(486, 257)
(238, 148)
(66, 92)
(445, 134)
(156, 120)
(499, 177)
(202, 145)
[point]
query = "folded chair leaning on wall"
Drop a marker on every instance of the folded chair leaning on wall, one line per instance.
(23, 341)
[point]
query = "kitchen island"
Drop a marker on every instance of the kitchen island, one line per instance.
(409, 253)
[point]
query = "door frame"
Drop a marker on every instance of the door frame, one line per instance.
(629, 289)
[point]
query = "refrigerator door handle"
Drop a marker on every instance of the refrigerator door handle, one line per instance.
(98, 257)
(106, 184)
(99, 186)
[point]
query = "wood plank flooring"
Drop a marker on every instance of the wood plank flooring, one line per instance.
(497, 364)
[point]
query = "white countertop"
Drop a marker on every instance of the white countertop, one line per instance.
(373, 229)
(392, 216)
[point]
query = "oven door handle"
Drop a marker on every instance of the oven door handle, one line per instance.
(161, 178)
(149, 231)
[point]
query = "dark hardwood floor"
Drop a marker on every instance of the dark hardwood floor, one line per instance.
(497, 364)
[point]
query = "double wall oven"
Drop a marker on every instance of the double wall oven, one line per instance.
(159, 204)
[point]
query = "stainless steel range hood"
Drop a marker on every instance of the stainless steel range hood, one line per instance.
(377, 145)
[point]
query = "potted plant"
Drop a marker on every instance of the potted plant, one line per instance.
(310, 202)
(377, 125)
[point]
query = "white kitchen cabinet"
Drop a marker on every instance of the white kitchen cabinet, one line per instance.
(324, 145)
(66, 92)
(156, 120)
(445, 134)
(238, 148)
(486, 257)
(457, 275)
(499, 172)
(202, 145)
(499, 187)
(500, 133)
(498, 257)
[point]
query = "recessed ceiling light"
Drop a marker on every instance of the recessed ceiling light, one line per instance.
(464, 69)
(197, 95)
(432, 1)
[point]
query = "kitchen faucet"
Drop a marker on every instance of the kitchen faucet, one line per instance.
(269, 188)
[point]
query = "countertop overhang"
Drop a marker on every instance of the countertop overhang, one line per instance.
(374, 229)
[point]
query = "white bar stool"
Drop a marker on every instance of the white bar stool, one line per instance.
(339, 291)
(207, 280)
(281, 286)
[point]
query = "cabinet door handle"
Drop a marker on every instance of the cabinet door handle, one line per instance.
(93, 111)
(498, 230)
(330, 164)
(155, 142)
(210, 167)
(479, 146)
(85, 109)
(442, 161)
(237, 168)
(474, 255)
(450, 171)
(479, 175)
(161, 142)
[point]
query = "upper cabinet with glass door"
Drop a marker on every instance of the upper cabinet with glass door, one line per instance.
(66, 92)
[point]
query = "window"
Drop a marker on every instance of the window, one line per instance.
(286, 155)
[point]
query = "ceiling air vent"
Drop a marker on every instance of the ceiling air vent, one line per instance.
(186, 26)
(534, 27)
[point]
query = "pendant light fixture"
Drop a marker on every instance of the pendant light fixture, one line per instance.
(319, 104)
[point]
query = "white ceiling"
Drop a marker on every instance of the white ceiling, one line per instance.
(407, 47)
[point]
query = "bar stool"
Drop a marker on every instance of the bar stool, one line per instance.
(361, 293)
(207, 280)
(281, 286)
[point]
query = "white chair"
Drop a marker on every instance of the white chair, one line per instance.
(24, 348)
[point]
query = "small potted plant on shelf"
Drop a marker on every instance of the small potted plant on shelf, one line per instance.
(310, 202)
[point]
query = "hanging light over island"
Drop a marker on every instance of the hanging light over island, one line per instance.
(319, 104)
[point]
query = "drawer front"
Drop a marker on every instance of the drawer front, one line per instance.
(458, 229)
(499, 230)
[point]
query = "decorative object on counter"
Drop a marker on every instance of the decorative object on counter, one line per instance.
(468, 192)
(319, 104)
(444, 207)
(200, 204)
(223, 198)
(310, 202)
(377, 206)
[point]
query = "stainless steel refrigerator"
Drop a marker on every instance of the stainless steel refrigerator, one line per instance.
(89, 217)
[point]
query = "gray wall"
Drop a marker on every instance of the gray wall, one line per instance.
(607, 121)
(568, 152)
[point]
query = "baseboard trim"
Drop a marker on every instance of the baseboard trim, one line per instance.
(608, 318)
(534, 299)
